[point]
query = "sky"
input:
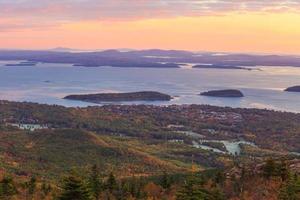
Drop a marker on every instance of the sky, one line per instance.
(264, 26)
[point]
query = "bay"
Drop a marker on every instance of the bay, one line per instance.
(49, 83)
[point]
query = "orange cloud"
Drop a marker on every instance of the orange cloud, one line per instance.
(212, 25)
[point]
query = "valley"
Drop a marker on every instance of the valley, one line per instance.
(143, 142)
(156, 133)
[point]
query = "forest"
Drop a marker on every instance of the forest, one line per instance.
(272, 179)
(147, 152)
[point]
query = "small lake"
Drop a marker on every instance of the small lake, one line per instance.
(49, 83)
(232, 147)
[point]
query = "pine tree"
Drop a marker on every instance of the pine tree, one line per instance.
(123, 191)
(291, 190)
(219, 178)
(269, 168)
(236, 184)
(111, 183)
(45, 189)
(7, 188)
(165, 181)
(31, 187)
(192, 190)
(284, 170)
(74, 188)
(95, 183)
(133, 186)
(217, 194)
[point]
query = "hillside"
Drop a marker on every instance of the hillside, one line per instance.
(52, 153)
(267, 180)
(269, 130)
(139, 139)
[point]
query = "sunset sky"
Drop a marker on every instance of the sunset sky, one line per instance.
(270, 26)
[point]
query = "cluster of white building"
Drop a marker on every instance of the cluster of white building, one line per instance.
(29, 127)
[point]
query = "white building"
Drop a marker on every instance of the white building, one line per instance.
(30, 127)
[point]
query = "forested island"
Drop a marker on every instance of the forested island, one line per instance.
(223, 93)
(218, 66)
(22, 64)
(119, 97)
(152, 58)
(293, 89)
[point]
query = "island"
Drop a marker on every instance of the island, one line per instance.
(293, 89)
(129, 64)
(119, 97)
(152, 58)
(217, 66)
(22, 64)
(223, 93)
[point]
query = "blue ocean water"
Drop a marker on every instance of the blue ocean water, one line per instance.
(49, 83)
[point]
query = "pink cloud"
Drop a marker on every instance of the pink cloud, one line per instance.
(39, 12)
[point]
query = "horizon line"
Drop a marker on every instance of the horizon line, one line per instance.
(78, 50)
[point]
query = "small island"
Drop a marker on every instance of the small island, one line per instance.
(293, 89)
(217, 66)
(22, 64)
(223, 93)
(122, 64)
(119, 97)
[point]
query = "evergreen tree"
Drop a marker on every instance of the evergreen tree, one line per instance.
(135, 187)
(242, 180)
(284, 171)
(193, 190)
(217, 194)
(111, 183)
(219, 178)
(132, 186)
(31, 187)
(269, 168)
(236, 184)
(291, 190)
(74, 188)
(165, 181)
(95, 183)
(45, 189)
(123, 191)
(7, 188)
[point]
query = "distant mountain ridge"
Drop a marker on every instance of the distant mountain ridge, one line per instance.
(63, 49)
(151, 58)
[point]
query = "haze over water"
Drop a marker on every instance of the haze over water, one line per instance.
(49, 83)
